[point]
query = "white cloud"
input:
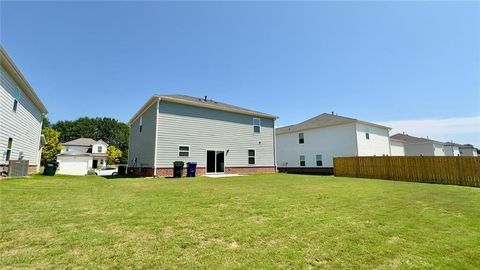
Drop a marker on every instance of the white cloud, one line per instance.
(461, 130)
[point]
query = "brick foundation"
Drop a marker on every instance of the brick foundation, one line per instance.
(168, 171)
(144, 172)
(250, 170)
(307, 170)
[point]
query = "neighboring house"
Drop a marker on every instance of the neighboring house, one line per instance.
(451, 149)
(80, 155)
(310, 146)
(415, 146)
(397, 147)
(468, 150)
(21, 114)
(219, 137)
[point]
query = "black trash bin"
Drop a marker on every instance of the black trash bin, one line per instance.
(177, 169)
(50, 168)
(191, 169)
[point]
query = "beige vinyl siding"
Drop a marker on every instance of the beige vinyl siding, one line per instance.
(24, 125)
(206, 129)
(142, 144)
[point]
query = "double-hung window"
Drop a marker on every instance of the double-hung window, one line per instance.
(301, 138)
(184, 151)
(9, 149)
(99, 149)
(256, 125)
(367, 136)
(319, 160)
(141, 123)
(302, 161)
(251, 156)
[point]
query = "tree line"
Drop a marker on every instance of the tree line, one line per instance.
(110, 130)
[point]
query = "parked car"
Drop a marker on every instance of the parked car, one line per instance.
(106, 171)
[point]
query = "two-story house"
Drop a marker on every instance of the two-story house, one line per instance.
(310, 146)
(416, 146)
(80, 155)
(21, 114)
(221, 138)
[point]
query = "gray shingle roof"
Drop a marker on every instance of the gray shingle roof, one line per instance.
(81, 142)
(322, 120)
(199, 102)
(412, 139)
(214, 103)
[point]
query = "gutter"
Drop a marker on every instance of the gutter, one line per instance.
(156, 138)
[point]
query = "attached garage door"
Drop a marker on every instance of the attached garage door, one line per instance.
(73, 165)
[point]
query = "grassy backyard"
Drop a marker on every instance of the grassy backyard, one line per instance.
(260, 221)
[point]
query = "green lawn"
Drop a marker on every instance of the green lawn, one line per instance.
(260, 221)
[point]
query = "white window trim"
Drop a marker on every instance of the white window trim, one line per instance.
(304, 160)
(254, 156)
(302, 138)
(259, 125)
(316, 160)
(178, 149)
(9, 149)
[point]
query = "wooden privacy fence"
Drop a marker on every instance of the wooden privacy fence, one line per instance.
(464, 171)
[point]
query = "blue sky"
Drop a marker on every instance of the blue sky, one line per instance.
(376, 61)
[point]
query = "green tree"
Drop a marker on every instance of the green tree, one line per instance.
(52, 146)
(109, 130)
(114, 155)
(46, 122)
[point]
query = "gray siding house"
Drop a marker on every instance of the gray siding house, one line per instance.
(220, 137)
(21, 114)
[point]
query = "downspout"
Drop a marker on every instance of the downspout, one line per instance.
(274, 147)
(156, 138)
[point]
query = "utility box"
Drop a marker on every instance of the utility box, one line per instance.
(17, 168)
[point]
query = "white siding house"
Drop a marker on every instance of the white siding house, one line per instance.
(415, 146)
(397, 148)
(79, 156)
(310, 146)
(468, 150)
(219, 137)
(21, 114)
(451, 149)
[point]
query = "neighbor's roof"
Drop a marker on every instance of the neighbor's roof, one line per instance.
(464, 146)
(83, 142)
(15, 73)
(452, 144)
(323, 120)
(199, 102)
(405, 138)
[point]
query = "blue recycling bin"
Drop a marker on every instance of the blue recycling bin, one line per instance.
(191, 169)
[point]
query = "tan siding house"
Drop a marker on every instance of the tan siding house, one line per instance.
(220, 138)
(21, 114)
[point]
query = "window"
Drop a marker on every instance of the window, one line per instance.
(319, 160)
(141, 123)
(300, 138)
(183, 151)
(251, 156)
(15, 104)
(256, 125)
(99, 149)
(367, 136)
(101, 161)
(9, 149)
(302, 161)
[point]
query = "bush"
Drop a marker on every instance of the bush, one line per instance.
(91, 172)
